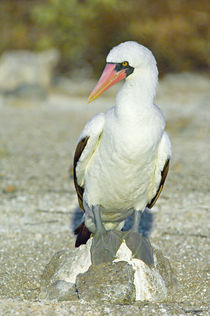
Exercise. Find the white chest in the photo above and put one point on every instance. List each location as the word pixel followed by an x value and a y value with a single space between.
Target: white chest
pixel 119 174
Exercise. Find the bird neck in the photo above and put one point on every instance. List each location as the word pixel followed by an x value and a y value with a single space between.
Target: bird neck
pixel 136 97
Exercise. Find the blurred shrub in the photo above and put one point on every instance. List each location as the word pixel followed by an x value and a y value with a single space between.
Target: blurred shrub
pixel 85 30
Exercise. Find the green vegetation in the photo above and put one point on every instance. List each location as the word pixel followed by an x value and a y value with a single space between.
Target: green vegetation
pixel 84 30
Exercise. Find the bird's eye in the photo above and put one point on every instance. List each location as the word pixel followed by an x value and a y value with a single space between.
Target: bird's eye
pixel 125 63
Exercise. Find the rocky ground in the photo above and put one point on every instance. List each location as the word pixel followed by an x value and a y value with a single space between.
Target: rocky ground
pixel 38 201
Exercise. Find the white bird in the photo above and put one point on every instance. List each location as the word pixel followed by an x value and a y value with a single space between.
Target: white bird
pixel 122 156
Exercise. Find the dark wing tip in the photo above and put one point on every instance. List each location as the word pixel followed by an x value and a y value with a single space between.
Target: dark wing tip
pixel 83 234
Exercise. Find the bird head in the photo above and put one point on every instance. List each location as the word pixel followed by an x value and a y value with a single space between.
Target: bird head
pixel 123 61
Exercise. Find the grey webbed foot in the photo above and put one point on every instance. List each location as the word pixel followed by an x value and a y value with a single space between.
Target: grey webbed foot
pixel 105 243
pixel 104 246
pixel 140 246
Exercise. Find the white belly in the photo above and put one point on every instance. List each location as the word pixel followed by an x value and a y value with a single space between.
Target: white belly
pixel 119 174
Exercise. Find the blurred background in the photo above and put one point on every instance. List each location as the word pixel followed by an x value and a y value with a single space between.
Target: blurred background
pixel 83 31
pixel 51 54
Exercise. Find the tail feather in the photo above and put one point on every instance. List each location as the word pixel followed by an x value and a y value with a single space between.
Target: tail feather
pixel 83 234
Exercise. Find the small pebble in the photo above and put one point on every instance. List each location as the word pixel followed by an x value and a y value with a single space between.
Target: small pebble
pixel 9 189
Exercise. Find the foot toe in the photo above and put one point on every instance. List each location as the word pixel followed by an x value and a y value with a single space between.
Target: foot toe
pixel 105 246
pixel 140 246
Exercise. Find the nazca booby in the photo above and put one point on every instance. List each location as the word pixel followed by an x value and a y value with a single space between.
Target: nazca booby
pixel 122 156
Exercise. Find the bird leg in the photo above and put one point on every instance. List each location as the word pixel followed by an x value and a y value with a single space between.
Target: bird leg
pixel 139 245
pixel 136 221
pixel 105 243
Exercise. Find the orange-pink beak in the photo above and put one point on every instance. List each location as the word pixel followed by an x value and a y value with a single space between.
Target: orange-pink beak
pixel 108 78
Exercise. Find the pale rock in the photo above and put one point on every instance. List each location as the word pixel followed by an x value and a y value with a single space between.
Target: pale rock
pixel 111 282
pixel 122 281
pixel 25 72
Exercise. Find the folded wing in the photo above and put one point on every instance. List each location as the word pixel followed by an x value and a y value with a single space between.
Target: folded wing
pixel 86 146
pixel 161 170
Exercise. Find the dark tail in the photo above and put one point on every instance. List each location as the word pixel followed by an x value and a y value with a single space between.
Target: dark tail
pixel 83 234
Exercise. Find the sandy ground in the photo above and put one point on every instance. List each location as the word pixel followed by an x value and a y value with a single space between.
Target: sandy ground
pixel 37 198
